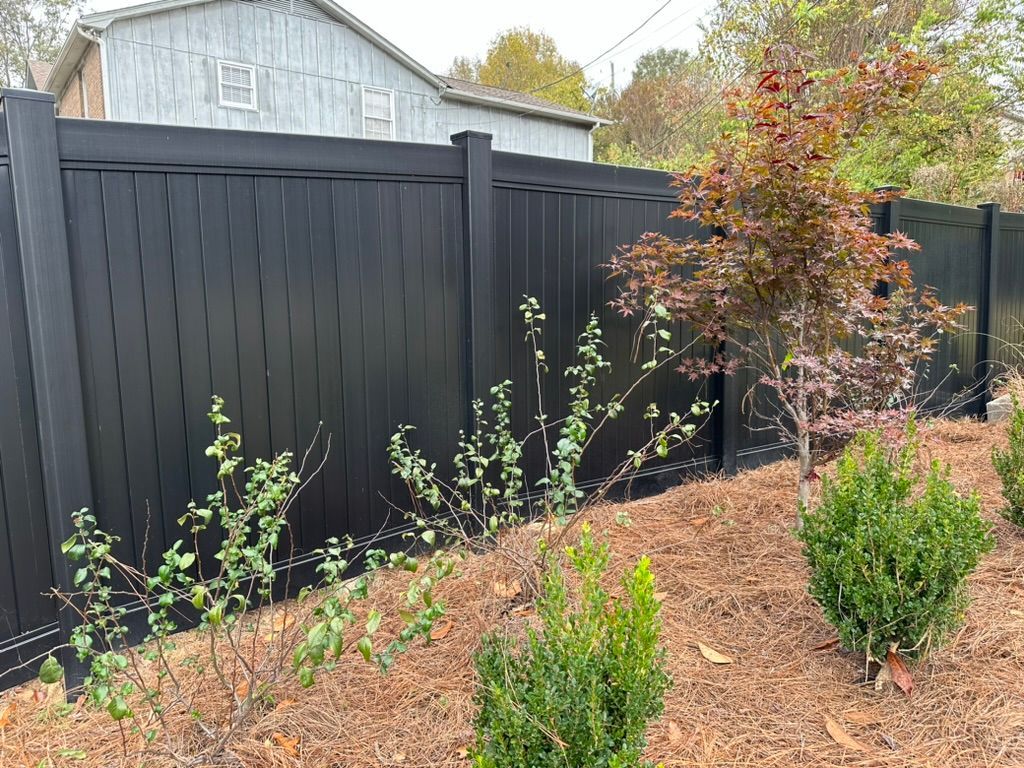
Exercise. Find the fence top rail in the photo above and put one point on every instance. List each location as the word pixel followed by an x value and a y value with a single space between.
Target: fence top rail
pixel 511 169
pixel 1011 221
pixel 912 209
pixel 107 143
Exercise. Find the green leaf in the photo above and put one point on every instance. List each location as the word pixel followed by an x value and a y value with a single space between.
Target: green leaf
pixel 118 708
pixel 373 621
pixel 51 671
pixel 429 537
pixel 365 646
pixel 186 560
pixel 66 546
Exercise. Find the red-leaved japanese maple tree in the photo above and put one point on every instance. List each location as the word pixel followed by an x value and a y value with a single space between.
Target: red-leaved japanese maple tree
pixel 792 280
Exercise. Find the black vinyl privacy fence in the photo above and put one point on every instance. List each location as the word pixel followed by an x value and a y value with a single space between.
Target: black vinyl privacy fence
pixel 310 280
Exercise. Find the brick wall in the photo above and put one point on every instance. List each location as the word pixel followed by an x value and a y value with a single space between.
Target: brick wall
pixel 89 75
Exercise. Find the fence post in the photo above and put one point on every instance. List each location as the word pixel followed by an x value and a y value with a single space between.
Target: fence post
pixel 890 223
pixel 56 379
pixel 985 368
pixel 725 417
pixel 478 246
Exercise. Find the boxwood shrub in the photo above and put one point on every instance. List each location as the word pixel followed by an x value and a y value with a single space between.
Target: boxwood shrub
pixel 579 692
pixel 1009 465
pixel 890 551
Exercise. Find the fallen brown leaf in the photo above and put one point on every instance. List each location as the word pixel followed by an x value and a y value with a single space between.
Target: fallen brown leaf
pixel 660 596
pixel 441 630
pixel 841 737
pixel 900 673
pixel 675 734
pixel 281 622
pixel 523 610
pixel 285 703
pixel 289 745
pixel 712 655
pixel 7 714
pixel 826 645
pixel 242 690
pixel 697 522
pixel 508 589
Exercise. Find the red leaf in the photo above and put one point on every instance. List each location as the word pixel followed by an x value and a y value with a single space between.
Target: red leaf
pixel 900 673
pixel 768 75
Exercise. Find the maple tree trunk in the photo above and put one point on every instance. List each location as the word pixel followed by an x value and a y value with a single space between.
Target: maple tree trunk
pixel 803 452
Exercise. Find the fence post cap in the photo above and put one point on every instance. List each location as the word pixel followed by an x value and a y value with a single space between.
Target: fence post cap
pixel 990 205
pixel 27 94
pixel 457 138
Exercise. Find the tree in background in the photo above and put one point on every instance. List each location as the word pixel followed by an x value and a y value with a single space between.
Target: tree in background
pixel 666 83
pixel 520 59
pixel 789 284
pixel 951 143
pixel 32 29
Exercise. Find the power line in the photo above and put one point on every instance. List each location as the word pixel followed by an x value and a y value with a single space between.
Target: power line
pixel 605 53
pixel 655 31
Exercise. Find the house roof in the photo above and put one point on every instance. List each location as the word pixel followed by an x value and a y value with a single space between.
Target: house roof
pixel 460 90
pixel 37 73
pixel 467 90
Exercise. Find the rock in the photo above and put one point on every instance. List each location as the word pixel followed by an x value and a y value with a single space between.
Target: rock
pixel 999 409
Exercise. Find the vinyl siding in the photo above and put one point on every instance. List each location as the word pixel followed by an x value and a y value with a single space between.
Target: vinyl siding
pixel 309 78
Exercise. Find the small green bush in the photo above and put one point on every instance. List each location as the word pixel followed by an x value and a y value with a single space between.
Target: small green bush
pixel 889 561
pixel 580 692
pixel 1010 466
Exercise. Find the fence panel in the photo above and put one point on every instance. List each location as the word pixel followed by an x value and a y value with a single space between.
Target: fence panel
pixel 557 222
pixel 1008 291
pixel 953 242
pixel 300 298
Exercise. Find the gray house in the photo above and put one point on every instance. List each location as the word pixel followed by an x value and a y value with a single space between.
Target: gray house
pixel 292 66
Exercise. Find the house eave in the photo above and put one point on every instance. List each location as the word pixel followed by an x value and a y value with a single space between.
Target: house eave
pixel 67 60
pixel 525 109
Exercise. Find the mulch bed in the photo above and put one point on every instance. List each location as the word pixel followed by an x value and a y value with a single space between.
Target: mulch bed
pixel 732 579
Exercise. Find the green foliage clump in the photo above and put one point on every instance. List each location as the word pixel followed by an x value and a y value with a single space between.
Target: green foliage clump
pixel 580 692
pixel 233 595
pixel 1009 465
pixel 889 561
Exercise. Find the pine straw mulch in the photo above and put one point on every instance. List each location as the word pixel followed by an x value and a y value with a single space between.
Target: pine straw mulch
pixel 733 579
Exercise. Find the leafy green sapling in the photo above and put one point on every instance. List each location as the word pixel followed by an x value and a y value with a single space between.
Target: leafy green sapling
pixel 486 493
pixel 250 643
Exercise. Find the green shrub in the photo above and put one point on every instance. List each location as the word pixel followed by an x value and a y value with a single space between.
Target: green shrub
pixel 230 675
pixel 889 560
pixel 1010 466
pixel 580 692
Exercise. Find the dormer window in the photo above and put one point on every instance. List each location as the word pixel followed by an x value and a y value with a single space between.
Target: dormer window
pixel 237 85
pixel 378 113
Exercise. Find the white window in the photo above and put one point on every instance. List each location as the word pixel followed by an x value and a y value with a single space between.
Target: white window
pixel 237 84
pixel 378 113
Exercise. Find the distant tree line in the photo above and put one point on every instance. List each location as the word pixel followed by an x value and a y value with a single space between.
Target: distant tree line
pixel 961 142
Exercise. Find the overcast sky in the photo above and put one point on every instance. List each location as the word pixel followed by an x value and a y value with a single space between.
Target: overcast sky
pixel 434 32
